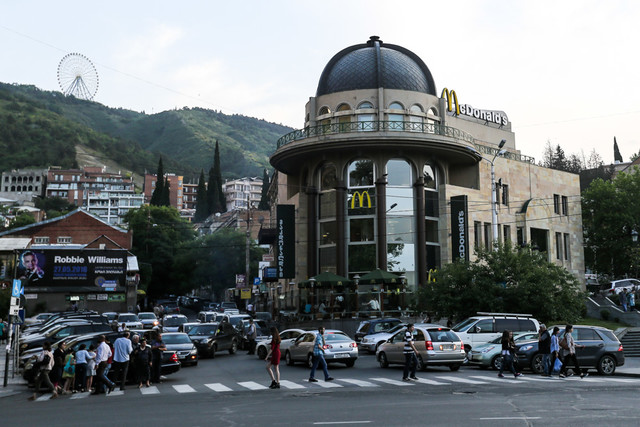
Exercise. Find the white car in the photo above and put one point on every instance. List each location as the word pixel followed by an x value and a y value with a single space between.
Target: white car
pixel 130 320
pixel 339 348
pixel 371 342
pixel 148 319
pixel 172 322
pixel 616 286
pixel 287 337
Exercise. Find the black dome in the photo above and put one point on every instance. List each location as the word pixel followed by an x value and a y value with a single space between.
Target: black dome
pixel 372 65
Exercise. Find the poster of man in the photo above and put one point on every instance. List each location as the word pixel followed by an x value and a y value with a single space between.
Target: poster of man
pixel 30 269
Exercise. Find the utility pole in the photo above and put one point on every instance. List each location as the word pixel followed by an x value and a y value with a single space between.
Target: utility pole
pixel 247 258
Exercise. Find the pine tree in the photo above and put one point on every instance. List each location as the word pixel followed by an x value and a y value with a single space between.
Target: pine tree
pixel 617 157
pixel 212 194
pixel 166 194
pixel 264 197
pixel 156 197
pixel 202 207
pixel 222 200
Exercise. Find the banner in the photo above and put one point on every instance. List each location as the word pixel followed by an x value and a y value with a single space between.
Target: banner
pixel 286 262
pixel 104 269
pixel 459 229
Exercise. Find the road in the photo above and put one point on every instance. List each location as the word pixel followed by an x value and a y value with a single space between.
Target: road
pixel 232 390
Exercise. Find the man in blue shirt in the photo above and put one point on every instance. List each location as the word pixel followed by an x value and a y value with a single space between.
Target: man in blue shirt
pixel 122 348
pixel 318 357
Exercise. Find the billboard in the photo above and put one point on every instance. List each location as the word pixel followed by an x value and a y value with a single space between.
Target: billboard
pixel 459 229
pixel 103 269
pixel 286 239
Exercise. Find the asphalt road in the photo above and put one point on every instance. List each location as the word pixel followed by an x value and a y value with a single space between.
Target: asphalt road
pixel 232 391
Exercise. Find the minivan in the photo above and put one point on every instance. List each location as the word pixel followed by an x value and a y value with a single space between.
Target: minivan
pixel 486 327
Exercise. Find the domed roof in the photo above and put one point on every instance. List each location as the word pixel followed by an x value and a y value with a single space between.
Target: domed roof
pixel 372 65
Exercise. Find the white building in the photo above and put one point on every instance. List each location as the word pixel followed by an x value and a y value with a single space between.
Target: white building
pixel 237 192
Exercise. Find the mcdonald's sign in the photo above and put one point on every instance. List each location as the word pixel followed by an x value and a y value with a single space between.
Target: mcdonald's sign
pixel 497 117
pixel 361 198
pixel 451 96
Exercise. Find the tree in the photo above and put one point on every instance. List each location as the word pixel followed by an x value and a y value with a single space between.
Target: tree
pixel 610 213
pixel 166 194
pixel 222 201
pixel 213 196
pixel 202 206
pixel 264 197
pixel 156 197
pixel 617 157
pixel 21 219
pixel 634 156
pixel 510 279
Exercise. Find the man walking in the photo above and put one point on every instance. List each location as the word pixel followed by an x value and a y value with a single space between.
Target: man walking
pixel 103 353
pixel 568 346
pixel 544 346
pixel 318 357
pixel 252 334
pixel 122 349
pixel 157 348
pixel 410 354
pixel 45 361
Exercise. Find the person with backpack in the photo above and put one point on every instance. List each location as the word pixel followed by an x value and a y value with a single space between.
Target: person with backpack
pixel 568 346
pixel 45 365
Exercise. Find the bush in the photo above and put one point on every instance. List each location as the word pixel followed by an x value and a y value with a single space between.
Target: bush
pixel 604 314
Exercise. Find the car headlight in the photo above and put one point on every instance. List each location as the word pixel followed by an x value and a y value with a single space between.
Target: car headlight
pixel 488 349
pixel 194 351
pixel 24 345
pixel 364 340
pixel 525 347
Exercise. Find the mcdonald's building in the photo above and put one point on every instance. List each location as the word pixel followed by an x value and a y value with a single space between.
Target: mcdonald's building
pixel 392 172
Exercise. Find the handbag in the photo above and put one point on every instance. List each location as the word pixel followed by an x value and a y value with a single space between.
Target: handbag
pixel 557 365
pixel 69 368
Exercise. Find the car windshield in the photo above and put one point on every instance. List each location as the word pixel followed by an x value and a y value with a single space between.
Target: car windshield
pixel 176 339
pixel 336 337
pixel 174 321
pixel 127 318
pixel 464 325
pixel 442 336
pixel 396 328
pixel 203 330
pixel 146 316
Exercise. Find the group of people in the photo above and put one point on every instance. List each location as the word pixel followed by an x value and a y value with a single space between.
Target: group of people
pixel 65 371
pixel 628 298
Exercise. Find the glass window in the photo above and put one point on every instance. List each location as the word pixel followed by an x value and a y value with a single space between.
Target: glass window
pixel 400 229
pixel 399 173
pixel 361 230
pixel 323 111
pixel 488 239
pixel 399 201
pixel 360 173
pixel 433 257
pixel 483 326
pixel 328 259
pixel 565 206
pixel 585 334
pixel 505 194
pixel 507 233
pixel 366 120
pixel 566 246
pixel 328 177
pixel 395 120
pixel 431 230
pixel 362 258
pixel 431 204
pixel 327 204
pixel 559 246
pixel 556 203
pixel 328 233
pixel 429 174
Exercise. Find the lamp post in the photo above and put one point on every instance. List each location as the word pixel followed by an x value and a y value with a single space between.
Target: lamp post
pixel 494 195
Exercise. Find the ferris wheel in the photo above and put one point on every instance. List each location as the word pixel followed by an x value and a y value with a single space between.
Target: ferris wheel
pixel 78 76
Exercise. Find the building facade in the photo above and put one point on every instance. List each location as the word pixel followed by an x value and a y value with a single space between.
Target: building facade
pixel 239 192
pixel 23 185
pixel 389 173
pixel 176 189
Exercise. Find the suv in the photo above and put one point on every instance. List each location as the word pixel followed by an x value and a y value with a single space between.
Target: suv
pixel 486 327
pixel 172 322
pixel 207 316
pixel 374 326
pixel 130 320
pixel 616 286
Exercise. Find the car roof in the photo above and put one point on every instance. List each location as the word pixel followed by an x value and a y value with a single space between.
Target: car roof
pixel 174 315
pixel 173 333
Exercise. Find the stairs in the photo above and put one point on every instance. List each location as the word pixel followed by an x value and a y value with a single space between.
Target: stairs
pixel 631 343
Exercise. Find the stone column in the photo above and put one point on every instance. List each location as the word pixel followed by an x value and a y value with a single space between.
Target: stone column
pixel 341 227
pixel 381 213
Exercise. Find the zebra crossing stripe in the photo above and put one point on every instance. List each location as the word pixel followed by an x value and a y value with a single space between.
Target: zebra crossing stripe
pixel 252 385
pixel 359 383
pixel 461 380
pixel 543 380
pixel 44 397
pixel 496 379
pixel 150 390
pixel 392 382
pixel 184 388
pixel 116 393
pixel 327 384
pixel 80 395
pixel 430 382
pixel 291 385
pixel 616 380
pixel 218 387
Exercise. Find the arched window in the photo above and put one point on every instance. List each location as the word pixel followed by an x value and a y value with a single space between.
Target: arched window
pixel 366 119
pixel 396 120
pixel 432 116
pixel 416 118
pixel 31 188
pixel 323 111
pixel 324 123
pixel 344 120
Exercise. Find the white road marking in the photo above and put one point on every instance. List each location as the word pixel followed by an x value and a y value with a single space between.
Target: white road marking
pixel 326 384
pixel 184 388
pixel 392 382
pixel 116 393
pixel 430 382
pixel 509 418
pixel 359 383
pixel 252 385
pixel 291 385
pixel 80 395
pixel 150 390
pixel 44 397
pixel 496 379
pixel 461 380
pixel 544 379
pixel 218 387
pixel 325 423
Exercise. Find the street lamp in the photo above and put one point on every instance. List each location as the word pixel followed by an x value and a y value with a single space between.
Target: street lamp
pixel 634 236
pixel 494 195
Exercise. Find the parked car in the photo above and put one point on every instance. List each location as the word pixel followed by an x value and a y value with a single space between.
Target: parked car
pixel 210 338
pixel 436 345
pixel 148 319
pixel 62 331
pixel 110 315
pixel 171 322
pixel 60 318
pixel 130 320
pixel 486 327
pixel 183 346
pixel 489 354
pixel 287 337
pixel 37 319
pixel 616 286
pixel 339 348
pixel 371 342
pixel 373 326
pixel 603 351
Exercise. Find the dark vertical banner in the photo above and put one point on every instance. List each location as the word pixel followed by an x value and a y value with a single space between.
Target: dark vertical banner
pixel 286 261
pixel 459 228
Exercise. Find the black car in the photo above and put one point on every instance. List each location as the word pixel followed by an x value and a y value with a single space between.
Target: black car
pixel 212 337
pixel 183 346
pixel 62 331
pixel 602 350
pixel 374 326
pixel 65 318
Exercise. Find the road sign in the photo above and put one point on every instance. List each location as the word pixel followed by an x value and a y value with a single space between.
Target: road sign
pixel 256 280
pixel 16 290
pixel 13 310
pixel 14 301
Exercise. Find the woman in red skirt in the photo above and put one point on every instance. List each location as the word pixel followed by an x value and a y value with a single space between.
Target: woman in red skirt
pixel 273 358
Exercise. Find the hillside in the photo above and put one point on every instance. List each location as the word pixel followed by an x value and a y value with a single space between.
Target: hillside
pixel 185 138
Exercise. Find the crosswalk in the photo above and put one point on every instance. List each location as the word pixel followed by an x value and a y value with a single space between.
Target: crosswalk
pixel 371 383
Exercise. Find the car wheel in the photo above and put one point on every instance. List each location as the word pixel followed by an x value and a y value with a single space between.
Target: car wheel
pixel 536 364
pixel 234 347
pixel 454 367
pixel 377 347
pixel 310 360
pixel 421 366
pixel 350 363
pixel 607 365
pixel 496 362
pixel 382 359
pixel 467 349
pixel 262 353
pixel 212 351
pixel 289 359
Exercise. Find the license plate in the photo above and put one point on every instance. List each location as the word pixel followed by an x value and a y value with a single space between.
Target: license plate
pixel 340 355
pixel 446 347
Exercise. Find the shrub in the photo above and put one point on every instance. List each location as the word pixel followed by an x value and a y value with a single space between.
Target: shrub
pixel 605 314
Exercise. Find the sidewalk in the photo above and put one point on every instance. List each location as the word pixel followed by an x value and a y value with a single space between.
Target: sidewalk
pixel 631 367
pixel 16 384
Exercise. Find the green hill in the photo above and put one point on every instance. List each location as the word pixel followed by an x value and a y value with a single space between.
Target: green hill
pixel 41 128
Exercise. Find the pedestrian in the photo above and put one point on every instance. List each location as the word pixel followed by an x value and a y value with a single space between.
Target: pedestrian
pixel 91 366
pixel 81 367
pixel 2 329
pixel 318 357
pixel 122 327
pixel 45 362
pixel 273 358
pixel 142 361
pixel 69 372
pixel 135 345
pixel 122 348
pixel 554 348
pixel 251 337
pixel 631 300
pixel 508 350
pixel 157 347
pixel 58 364
pixel 410 354
pixel 623 299
pixel 568 351
pixel 544 346
pixel 103 353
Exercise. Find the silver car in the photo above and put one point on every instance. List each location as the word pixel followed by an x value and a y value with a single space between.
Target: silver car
pixel 436 345
pixel 339 348
pixel 148 319
pixel 371 342
pixel 287 337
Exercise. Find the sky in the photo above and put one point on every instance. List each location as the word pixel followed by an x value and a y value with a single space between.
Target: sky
pixel 565 72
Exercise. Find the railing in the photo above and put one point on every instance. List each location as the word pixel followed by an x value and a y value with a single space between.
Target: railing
pixel 492 151
pixel 374 126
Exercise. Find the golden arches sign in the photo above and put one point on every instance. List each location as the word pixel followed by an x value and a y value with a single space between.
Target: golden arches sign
pixel 361 197
pixel 451 97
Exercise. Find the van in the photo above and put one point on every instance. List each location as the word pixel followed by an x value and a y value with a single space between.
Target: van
pixel 486 327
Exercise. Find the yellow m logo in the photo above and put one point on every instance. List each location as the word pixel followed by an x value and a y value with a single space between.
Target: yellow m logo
pixel 451 94
pixel 360 198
